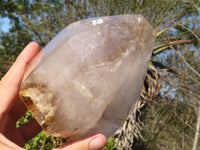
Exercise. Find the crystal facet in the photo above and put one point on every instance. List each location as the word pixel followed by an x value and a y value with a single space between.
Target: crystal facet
pixel 89 76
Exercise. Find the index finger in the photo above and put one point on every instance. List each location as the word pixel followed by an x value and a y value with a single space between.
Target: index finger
pixel 10 83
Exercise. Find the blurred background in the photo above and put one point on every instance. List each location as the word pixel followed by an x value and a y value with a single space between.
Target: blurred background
pixel 167 115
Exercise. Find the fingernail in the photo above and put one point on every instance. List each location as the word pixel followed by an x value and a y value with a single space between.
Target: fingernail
pixel 97 144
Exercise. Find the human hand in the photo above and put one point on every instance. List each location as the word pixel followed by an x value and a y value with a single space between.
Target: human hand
pixel 12 108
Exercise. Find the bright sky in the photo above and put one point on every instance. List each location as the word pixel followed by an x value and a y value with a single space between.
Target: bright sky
pixel 4 24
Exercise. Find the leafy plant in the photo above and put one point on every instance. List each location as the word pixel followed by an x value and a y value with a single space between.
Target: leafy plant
pixel 111 144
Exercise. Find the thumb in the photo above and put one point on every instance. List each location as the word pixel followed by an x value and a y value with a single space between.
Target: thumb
pixel 92 142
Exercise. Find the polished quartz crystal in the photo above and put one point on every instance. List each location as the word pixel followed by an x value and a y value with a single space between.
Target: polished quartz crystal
pixel 89 76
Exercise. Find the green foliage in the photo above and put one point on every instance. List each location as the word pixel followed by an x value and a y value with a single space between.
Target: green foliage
pixel 111 144
pixel 44 142
pixel 168 126
pixel 24 119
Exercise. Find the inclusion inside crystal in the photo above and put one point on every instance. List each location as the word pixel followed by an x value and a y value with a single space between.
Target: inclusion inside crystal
pixel 89 76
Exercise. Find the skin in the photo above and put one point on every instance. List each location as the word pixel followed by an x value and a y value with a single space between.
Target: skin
pixel 12 108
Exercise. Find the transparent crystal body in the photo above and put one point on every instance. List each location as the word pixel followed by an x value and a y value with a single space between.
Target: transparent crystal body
pixel 89 76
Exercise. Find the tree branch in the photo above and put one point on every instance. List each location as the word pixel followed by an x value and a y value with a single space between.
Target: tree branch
pixel 197 132
pixel 186 61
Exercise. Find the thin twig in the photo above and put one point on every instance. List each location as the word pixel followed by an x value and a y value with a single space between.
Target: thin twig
pixel 194 80
pixel 185 61
pixel 191 92
pixel 6 62
pixel 197 132
pixel 191 3
pixel 183 121
pixel 195 35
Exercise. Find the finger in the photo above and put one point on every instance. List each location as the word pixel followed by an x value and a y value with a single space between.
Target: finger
pixel 93 142
pixel 6 144
pixel 30 129
pixel 18 110
pixel 9 85
pixel 15 74
pixel 33 63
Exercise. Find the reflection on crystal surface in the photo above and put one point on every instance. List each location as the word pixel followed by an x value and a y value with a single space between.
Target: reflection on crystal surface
pixel 90 75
